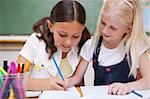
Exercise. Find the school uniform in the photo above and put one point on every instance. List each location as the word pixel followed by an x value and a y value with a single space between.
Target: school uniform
pixel 110 65
pixel 34 51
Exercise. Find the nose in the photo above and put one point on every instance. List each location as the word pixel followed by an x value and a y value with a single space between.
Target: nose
pixel 105 30
pixel 68 42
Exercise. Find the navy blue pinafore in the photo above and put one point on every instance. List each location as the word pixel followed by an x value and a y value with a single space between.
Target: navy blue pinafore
pixel 105 75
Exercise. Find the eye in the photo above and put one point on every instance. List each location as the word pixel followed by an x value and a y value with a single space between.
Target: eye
pixel 62 34
pixel 113 28
pixel 102 22
pixel 76 36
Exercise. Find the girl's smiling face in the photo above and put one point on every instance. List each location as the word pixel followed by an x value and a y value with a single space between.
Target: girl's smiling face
pixel 112 29
pixel 67 34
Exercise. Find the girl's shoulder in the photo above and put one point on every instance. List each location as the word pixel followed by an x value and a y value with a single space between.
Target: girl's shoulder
pixel 89 41
pixel 34 38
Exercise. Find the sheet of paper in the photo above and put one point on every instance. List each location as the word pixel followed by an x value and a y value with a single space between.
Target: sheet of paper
pixel 100 92
pixel 71 93
pixel 32 93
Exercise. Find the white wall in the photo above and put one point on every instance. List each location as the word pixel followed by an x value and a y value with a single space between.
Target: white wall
pixel 9 55
pixel 10 46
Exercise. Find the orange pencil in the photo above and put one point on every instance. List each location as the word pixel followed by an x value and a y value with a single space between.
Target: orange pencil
pixel 27 66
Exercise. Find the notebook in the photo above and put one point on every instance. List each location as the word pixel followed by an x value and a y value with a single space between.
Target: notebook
pixel 100 92
pixel 71 93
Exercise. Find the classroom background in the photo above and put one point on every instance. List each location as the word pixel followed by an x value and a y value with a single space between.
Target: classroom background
pixel 18 16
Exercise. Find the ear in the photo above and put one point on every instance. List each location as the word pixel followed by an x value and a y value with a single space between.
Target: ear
pixel 129 29
pixel 49 24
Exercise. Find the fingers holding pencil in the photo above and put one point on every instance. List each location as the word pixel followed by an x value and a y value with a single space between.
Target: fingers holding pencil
pixel 57 83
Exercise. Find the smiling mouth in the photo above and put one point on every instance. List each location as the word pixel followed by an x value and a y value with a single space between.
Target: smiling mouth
pixel 106 35
pixel 65 47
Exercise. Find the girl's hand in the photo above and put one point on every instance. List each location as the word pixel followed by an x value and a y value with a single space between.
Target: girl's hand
pixel 119 89
pixel 66 83
pixel 54 83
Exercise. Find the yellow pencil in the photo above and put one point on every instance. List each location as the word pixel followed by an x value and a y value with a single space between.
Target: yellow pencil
pixel 11 95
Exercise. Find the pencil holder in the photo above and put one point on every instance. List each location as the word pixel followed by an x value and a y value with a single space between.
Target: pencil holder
pixel 12 87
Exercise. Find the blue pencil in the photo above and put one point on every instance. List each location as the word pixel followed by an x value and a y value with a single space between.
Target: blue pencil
pixel 137 94
pixel 57 68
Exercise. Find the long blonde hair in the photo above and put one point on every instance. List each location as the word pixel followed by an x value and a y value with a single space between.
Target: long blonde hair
pixel 130 13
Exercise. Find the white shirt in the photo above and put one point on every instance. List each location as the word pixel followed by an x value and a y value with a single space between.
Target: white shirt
pixel 34 51
pixel 106 56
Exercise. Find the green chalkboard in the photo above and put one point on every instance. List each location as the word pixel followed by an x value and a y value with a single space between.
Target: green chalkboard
pixel 18 16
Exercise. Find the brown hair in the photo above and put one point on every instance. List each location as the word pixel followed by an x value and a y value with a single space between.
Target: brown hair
pixel 63 11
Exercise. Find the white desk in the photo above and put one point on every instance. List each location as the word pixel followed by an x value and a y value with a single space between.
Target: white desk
pixel 91 92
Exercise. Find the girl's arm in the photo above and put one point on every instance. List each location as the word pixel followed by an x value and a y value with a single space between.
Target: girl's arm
pixel 142 83
pixel 51 83
pixel 78 75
